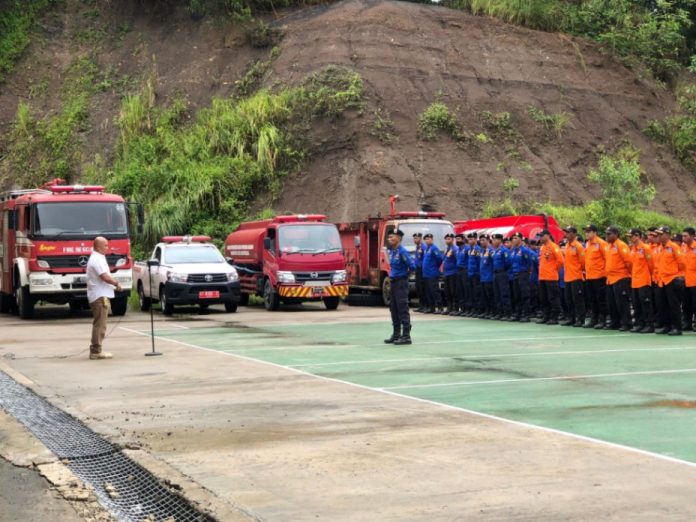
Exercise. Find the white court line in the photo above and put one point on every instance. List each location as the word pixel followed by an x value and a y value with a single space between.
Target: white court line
pixel 428 343
pixel 485 355
pixel 179 326
pixel 441 405
pixel 536 379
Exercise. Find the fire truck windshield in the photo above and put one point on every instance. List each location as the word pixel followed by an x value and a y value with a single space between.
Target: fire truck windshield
pixel 80 220
pixel 437 229
pixel 308 239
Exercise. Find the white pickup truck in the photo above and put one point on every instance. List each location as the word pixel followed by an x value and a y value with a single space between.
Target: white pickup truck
pixel 186 270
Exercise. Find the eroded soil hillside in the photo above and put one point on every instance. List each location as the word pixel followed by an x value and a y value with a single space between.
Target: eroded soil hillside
pixel 409 56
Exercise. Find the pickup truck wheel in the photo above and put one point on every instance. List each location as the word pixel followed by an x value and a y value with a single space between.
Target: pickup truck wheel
pixel 119 305
pixel 386 291
pixel 331 303
pixel 144 302
pixel 271 301
pixel 167 307
pixel 230 308
pixel 25 302
pixel 76 306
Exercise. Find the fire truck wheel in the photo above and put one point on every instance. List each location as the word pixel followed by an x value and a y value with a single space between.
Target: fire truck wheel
pixel 331 303
pixel 119 305
pixel 25 302
pixel 5 305
pixel 167 307
pixel 230 307
pixel 144 302
pixel 243 299
pixel 386 291
pixel 271 300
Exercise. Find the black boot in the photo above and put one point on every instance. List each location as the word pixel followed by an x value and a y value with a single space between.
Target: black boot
pixel 396 334
pixel 405 337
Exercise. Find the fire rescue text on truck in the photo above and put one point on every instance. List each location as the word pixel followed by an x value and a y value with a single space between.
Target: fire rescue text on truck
pixel 47 236
pixel 365 244
pixel 290 259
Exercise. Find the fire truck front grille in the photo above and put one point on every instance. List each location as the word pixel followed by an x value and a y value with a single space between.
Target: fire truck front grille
pixel 301 277
pixel 76 261
pixel 207 278
pixel 141 496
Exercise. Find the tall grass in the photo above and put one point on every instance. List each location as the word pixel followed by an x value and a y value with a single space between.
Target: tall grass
pixel 200 175
pixel 547 15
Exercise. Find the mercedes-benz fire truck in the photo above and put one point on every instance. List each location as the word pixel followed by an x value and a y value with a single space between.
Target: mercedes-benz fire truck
pixel 47 237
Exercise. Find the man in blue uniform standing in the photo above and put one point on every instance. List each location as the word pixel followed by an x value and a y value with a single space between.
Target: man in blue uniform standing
pixel 418 260
pixel 472 276
pixel 449 267
pixel 462 260
pixel 432 259
pixel 400 264
pixel 486 278
pixel 501 283
pixel 522 258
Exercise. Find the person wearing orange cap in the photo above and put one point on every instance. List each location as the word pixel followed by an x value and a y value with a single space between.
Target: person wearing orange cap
pixel 550 263
pixel 595 278
pixel 574 266
pixel 642 268
pixel 618 266
pixel 670 278
pixel 689 250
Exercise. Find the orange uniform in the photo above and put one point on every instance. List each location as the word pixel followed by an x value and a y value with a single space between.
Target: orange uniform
pixel 595 261
pixel 618 261
pixel 690 264
pixel 574 261
pixel 550 261
pixel 642 266
pixel 670 263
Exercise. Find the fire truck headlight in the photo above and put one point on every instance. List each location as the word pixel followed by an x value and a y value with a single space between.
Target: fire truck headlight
pixel 42 263
pixel 121 261
pixel 339 276
pixel 41 281
pixel 176 277
pixel 286 277
pixel 232 276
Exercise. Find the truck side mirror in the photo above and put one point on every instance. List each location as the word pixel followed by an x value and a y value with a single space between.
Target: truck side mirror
pixel 267 243
pixel 356 239
pixel 153 262
pixel 11 219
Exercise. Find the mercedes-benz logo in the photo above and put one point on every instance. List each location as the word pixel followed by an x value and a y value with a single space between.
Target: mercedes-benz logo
pixel 314 275
pixel 82 260
pixel 208 278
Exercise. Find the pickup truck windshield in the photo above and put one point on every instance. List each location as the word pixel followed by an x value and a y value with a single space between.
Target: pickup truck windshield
pixel 311 239
pixel 438 230
pixel 178 255
pixel 68 220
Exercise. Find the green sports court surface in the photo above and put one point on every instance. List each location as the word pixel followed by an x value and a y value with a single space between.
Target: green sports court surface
pixel 633 390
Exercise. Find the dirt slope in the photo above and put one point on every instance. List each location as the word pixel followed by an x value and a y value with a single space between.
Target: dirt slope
pixel 409 56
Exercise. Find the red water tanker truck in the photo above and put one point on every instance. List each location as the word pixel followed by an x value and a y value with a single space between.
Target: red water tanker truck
pixel 288 259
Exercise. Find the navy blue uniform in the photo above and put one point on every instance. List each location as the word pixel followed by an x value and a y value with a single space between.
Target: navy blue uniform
pixel 400 264
pixel 501 283
pixel 420 287
pixel 473 281
pixel 432 258
pixel 449 267
pixel 534 284
pixel 462 266
pixel 487 278
pixel 522 260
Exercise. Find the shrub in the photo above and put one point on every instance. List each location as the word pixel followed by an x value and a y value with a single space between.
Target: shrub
pixel 435 118
pixel 553 124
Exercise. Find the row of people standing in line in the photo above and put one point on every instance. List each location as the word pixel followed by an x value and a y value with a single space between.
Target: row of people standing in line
pixel 649 286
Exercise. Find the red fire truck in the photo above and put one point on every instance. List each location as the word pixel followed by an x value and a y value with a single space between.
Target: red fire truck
pixel 47 236
pixel 365 244
pixel 288 259
pixel 529 226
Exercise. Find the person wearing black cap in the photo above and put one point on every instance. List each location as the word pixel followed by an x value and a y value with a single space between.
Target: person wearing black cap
pixel 501 283
pixel 521 258
pixel 574 266
pixel 486 278
pixel 400 264
pixel 534 305
pixel 642 268
pixel 689 249
pixel 473 271
pixel 550 264
pixel 449 267
pixel 418 260
pixel 462 262
pixel 618 266
pixel 595 278
pixel 432 259
pixel 670 277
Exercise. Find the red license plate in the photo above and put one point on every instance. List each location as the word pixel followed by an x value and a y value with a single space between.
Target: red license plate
pixel 209 294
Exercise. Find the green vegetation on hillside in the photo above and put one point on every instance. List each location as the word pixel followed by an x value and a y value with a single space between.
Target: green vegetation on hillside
pixel 679 129
pixel 200 177
pixel 16 20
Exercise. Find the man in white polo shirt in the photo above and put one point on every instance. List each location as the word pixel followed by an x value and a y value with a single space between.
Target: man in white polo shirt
pixel 100 289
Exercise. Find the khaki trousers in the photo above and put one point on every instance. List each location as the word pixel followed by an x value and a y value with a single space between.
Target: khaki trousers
pixel 100 311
